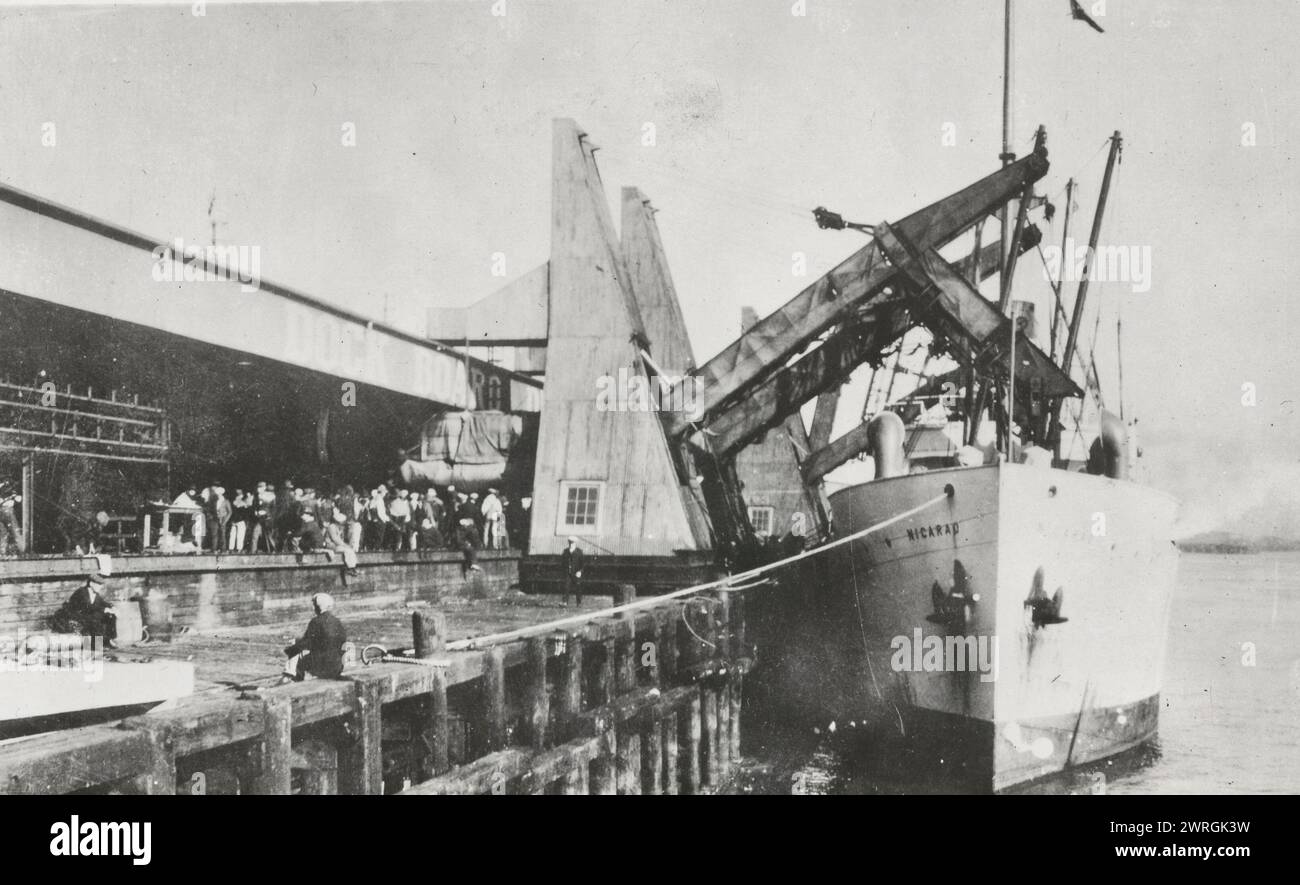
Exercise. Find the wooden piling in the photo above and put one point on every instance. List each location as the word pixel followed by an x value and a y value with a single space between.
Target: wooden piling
pixel 724 731
pixel 652 759
pixel 605 672
pixel 668 728
pixel 433 724
pixel 688 756
pixel 539 701
pixel 737 684
pixel 628 760
pixel 576 782
pixel 625 658
pixel 569 691
pixel 667 620
pixel 709 736
pixel 738 647
pixel 430 629
pixel 722 618
pixel 273 762
pixel 604 780
pixel 361 767
pixel 624 594
pixel 494 698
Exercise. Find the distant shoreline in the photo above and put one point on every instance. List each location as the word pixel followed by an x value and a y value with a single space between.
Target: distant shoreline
pixel 1236 548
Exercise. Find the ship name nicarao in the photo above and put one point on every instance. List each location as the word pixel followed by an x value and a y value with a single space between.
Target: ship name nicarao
pixel 932 531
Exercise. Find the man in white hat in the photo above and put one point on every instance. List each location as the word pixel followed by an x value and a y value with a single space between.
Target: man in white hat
pixel 571 560
pixel 492 515
pixel 319 653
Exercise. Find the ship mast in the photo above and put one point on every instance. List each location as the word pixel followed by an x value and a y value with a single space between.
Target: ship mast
pixel 1072 339
pixel 1057 310
pixel 1007 156
pixel 975 402
pixel 1006 257
pixel 1080 299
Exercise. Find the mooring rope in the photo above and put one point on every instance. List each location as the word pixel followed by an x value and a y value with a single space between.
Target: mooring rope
pixel 387 657
pixel 727 583
pixel 691 629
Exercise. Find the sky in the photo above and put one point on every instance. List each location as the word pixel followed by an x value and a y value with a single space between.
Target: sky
pixel 872 108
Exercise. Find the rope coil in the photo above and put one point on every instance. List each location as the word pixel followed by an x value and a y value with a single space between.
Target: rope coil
pixel 386 657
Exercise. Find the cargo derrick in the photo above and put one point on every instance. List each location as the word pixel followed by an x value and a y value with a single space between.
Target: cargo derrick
pixel 810 345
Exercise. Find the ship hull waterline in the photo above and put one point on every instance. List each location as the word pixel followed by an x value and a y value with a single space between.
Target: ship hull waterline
pixel 941 636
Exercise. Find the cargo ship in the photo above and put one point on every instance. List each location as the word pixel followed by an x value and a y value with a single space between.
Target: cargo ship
pixel 1015 631
pixel 1014 626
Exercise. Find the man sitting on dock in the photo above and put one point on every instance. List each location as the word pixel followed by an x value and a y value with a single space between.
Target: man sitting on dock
pixel 87 612
pixel 336 541
pixel 319 654
pixel 309 537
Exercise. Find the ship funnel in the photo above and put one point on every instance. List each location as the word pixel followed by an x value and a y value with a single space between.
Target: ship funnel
pixel 885 434
pixel 1108 454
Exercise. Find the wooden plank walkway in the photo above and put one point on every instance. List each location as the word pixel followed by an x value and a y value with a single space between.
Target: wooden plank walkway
pixel 255 654
pixel 644 701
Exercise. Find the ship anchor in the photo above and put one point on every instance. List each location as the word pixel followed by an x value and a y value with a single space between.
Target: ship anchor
pixel 1044 610
pixel 953 608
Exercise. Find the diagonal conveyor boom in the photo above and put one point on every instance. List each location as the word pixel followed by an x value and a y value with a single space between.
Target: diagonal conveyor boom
pixel 846 348
pixel 783 393
pixel 779 336
pixel 950 305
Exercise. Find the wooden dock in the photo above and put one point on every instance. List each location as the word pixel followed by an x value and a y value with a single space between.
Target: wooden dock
pixel 645 701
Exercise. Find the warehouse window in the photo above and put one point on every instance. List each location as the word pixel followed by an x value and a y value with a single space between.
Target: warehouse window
pixel 761 519
pixel 580 507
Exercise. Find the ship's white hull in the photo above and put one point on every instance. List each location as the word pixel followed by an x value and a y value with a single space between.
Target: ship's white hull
pixel 974 682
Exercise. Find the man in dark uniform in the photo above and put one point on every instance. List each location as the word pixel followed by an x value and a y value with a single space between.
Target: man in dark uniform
pixel 571 561
pixel 320 651
pixel 262 519
pixel 87 612
pixel 450 519
pixel 218 513
pixel 285 516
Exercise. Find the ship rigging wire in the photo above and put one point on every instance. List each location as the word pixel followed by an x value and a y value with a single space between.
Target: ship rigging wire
pixel 731 582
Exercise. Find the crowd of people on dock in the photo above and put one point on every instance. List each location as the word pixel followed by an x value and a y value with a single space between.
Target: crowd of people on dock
pixel 299 520
pixel 265 518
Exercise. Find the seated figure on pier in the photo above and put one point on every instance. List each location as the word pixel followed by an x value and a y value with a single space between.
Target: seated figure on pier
pixel 336 541
pixel 87 612
pixel 319 653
